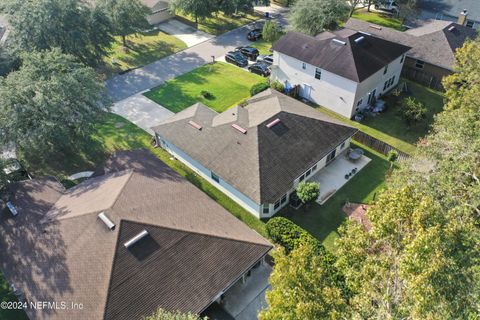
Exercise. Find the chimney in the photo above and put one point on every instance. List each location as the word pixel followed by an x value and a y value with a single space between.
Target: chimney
pixel 462 18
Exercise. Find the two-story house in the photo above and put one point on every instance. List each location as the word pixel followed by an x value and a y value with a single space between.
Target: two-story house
pixel 256 154
pixel 342 71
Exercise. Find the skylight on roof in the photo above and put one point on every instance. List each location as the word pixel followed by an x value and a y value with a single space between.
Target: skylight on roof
pixel 12 208
pixel 359 39
pixel 195 125
pixel 273 123
pixel 365 33
pixel 340 42
pixel 237 127
pixel 451 28
pixel 136 239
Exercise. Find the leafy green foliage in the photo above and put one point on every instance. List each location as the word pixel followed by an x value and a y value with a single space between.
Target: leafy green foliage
pixel 199 9
pixel 229 7
pixel 287 234
pixel 50 102
pixel 413 110
pixel 161 314
pixel 392 155
pixel 71 25
pixel 277 85
pixel 3 176
pixel 304 286
pixel 314 16
pixel 271 31
pixel 126 16
pixel 259 87
pixel 308 192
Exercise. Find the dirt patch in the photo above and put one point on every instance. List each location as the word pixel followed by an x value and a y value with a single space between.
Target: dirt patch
pixel 356 212
pixel 118 125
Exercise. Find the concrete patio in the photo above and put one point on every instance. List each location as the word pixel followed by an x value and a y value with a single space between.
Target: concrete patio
pixel 332 177
pixel 245 300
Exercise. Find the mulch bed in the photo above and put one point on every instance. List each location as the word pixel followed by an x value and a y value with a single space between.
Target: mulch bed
pixel 356 212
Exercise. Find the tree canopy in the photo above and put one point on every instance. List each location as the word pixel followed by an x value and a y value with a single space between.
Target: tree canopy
pixel 161 314
pixel 70 25
pixel 314 16
pixel 52 100
pixel 199 9
pixel 308 192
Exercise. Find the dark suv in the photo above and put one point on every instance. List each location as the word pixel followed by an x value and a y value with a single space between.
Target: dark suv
pixel 236 58
pixel 254 35
pixel 260 68
pixel 249 52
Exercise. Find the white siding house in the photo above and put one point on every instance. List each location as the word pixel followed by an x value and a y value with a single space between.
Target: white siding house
pixel 327 81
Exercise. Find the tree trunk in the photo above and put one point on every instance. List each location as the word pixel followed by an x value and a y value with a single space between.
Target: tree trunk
pixel 124 40
pixel 369 4
pixel 352 10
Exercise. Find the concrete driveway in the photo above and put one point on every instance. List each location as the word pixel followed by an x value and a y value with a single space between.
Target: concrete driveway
pixel 122 86
pixel 142 111
pixel 184 32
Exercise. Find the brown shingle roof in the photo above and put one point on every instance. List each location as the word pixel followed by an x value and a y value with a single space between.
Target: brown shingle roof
pixel 71 259
pixel 433 43
pixel 354 60
pixel 263 163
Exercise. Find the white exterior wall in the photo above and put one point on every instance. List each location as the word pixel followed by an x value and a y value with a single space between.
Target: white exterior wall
pixel 334 92
pixel 376 82
pixel 223 186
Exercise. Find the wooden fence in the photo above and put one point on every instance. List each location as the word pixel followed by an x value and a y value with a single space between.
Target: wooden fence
pixel 377 145
pixel 423 78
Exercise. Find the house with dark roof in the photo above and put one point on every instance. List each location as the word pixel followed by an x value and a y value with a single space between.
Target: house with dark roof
pixel 134 238
pixel 256 154
pixel 344 71
pixel 464 12
pixel 433 47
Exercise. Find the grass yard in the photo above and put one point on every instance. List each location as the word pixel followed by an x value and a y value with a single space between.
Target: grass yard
pixel 220 23
pixel 262 46
pixel 392 123
pixel 322 221
pixel 143 49
pixel 228 84
pixel 379 18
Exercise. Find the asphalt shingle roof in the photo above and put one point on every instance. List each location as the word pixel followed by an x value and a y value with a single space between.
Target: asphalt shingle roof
pixel 354 60
pixel 433 43
pixel 263 162
pixel 199 248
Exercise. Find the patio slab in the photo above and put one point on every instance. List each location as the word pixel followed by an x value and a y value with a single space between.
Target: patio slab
pixel 332 177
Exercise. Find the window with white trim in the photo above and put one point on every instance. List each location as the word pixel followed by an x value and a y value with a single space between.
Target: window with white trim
pixel 419 64
pixel 318 73
pixel 266 208
pixel 304 65
pixel 385 69
pixel 215 177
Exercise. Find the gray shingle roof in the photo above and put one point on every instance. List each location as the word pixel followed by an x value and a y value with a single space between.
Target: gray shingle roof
pixel 74 257
pixel 433 43
pixel 453 7
pixel 356 60
pixel 263 163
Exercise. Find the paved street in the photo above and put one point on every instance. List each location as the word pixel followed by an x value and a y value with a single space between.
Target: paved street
pixel 152 75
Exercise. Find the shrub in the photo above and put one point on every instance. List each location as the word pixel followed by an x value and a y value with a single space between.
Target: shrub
pixel 392 155
pixel 207 94
pixel 308 192
pixel 259 87
pixel 277 85
pixel 287 234
pixel 413 110
pixel 271 31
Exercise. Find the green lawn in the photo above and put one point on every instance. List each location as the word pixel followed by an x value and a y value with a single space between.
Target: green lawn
pixel 228 84
pixel 220 23
pixel 379 18
pixel 322 221
pixel 263 46
pixel 142 49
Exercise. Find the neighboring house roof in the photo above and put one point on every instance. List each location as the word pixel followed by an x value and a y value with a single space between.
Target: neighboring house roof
pixel 435 42
pixel 194 251
pixel 354 60
pixel 156 5
pixel 262 163
pixel 453 7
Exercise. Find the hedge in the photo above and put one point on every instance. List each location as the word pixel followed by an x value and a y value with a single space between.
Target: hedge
pixel 287 234
pixel 259 87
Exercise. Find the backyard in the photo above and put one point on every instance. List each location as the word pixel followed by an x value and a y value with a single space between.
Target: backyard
pixel 227 85
pixel 379 18
pixel 220 23
pixel 322 221
pixel 142 49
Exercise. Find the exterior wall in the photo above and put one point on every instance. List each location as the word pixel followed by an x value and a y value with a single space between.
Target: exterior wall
pixel 205 173
pixel 376 83
pixel 331 91
pixel 431 75
pixel 157 17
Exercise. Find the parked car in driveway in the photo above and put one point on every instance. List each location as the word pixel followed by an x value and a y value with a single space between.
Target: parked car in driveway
pixel 260 68
pixel 14 170
pixel 250 53
pixel 268 59
pixel 254 34
pixel 236 58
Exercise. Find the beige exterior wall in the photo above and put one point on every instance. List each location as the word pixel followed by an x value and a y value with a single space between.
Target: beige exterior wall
pixel 158 17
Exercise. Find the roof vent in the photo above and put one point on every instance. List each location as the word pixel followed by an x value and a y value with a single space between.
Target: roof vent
pixel 365 33
pixel 135 239
pixel 236 126
pixel 110 225
pixel 359 39
pixel 339 42
pixel 12 208
pixel 195 125
pixel 451 28
pixel 273 123
pixel 375 27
